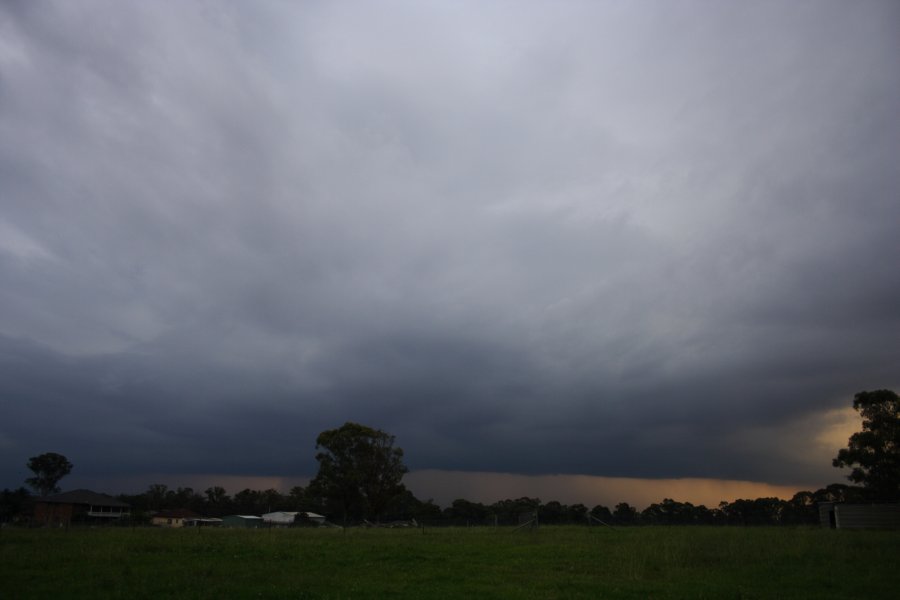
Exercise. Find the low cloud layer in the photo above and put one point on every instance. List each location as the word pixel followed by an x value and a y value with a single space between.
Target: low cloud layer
pixel 635 240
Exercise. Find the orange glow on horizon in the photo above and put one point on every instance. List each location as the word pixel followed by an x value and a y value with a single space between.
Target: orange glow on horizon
pixel 586 489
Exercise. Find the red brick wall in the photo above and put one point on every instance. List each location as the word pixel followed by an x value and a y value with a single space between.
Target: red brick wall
pixel 52 513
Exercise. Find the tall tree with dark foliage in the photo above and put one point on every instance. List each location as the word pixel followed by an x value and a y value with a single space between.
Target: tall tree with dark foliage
pixel 48 469
pixel 874 452
pixel 360 471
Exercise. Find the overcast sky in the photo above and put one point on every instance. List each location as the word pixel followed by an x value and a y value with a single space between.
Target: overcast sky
pixel 649 240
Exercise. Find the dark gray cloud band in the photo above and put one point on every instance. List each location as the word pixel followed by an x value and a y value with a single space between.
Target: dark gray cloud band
pixel 635 240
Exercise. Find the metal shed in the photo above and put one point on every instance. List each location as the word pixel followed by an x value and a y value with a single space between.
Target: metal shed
pixel 244 521
pixel 283 518
pixel 859 516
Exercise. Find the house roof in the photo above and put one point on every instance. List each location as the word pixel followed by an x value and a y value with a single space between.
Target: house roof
pixel 83 497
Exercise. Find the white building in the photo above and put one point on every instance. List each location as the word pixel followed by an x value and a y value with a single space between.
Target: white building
pixel 287 518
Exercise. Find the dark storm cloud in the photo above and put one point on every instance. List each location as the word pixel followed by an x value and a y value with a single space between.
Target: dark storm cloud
pixel 640 240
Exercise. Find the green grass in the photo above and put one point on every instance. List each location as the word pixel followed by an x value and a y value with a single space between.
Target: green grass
pixel 553 562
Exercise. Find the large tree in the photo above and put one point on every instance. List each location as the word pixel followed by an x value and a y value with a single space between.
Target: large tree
pixel 360 471
pixel 48 469
pixel 874 453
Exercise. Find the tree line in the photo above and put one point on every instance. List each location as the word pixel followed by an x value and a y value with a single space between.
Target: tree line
pixel 216 502
pixel 361 470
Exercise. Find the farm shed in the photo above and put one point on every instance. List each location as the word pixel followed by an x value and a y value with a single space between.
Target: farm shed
pixel 283 518
pixel 245 521
pixel 859 516
pixel 173 518
pixel 203 522
pixel 79 506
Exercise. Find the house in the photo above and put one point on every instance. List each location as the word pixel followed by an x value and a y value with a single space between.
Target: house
pixel 286 518
pixel 173 518
pixel 79 506
pixel 245 521
pixel 859 516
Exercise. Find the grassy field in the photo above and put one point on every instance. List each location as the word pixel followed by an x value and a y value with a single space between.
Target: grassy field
pixel 553 562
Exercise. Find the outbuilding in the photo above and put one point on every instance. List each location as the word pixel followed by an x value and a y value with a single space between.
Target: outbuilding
pixel 203 522
pixel 244 521
pixel 175 517
pixel 282 518
pixel 859 516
